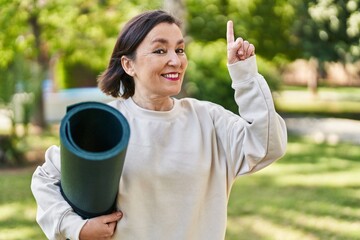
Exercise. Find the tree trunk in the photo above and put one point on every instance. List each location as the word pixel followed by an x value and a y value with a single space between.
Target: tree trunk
pixel 43 60
pixel 178 9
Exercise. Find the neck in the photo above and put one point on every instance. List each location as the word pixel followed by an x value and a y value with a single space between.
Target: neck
pixel 154 104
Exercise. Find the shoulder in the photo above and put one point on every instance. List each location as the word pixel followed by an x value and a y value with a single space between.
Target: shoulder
pixel 188 101
pixel 199 105
pixel 117 103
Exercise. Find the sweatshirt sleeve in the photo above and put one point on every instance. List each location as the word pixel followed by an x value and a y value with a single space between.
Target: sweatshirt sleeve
pixel 258 137
pixel 54 215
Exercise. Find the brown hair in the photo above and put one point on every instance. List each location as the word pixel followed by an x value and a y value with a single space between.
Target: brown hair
pixel 127 42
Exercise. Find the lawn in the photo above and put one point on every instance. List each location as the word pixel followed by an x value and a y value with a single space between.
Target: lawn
pixel 17 206
pixel 341 101
pixel 312 193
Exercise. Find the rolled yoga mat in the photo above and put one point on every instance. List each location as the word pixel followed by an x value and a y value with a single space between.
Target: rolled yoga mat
pixel 93 142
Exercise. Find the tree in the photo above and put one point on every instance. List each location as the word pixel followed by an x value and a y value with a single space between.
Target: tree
pixel 73 32
pixel 37 35
pixel 178 9
pixel 329 29
pixel 267 24
pixel 207 73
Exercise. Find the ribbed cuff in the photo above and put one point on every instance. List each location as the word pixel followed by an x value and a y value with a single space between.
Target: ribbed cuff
pixel 243 70
pixel 71 225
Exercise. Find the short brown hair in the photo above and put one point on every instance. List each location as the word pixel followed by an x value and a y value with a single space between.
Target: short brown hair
pixel 127 42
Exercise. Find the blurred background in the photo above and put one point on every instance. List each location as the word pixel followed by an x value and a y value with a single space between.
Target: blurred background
pixel 51 53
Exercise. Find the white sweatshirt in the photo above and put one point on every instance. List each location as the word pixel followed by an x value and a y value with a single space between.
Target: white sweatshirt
pixel 180 165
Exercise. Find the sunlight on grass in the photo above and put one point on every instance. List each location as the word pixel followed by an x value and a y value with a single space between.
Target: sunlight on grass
pixel 334 209
pixel 260 228
pixel 19 233
pixel 328 100
pixel 327 224
pixel 317 106
pixel 334 179
pixel 8 211
pixel 17 207
pixel 18 222
pixel 313 192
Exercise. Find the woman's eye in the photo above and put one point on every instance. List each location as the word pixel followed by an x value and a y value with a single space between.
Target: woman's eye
pixel 160 51
pixel 180 50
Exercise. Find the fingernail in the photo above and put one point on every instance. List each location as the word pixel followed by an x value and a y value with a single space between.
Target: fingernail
pixel 119 214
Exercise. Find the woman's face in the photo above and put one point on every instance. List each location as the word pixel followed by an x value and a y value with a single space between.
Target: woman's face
pixel 160 62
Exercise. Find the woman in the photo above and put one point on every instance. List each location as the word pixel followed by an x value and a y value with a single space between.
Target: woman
pixel 183 154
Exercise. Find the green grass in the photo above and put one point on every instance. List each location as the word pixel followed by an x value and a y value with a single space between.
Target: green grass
pixel 17 206
pixel 328 101
pixel 312 193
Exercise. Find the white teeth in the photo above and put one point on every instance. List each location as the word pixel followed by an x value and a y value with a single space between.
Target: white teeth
pixel 172 75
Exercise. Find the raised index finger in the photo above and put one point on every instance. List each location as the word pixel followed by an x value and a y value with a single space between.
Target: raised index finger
pixel 230 32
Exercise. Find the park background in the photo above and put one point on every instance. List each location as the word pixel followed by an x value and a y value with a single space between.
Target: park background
pixel 309 51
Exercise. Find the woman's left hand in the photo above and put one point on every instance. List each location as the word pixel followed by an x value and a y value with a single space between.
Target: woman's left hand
pixel 239 49
pixel 102 227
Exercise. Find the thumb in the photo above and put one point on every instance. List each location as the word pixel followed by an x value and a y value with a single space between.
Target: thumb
pixel 113 217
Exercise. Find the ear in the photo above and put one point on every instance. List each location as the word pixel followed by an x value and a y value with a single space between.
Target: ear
pixel 127 65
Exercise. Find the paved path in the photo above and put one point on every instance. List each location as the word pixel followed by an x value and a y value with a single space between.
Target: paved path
pixel 330 130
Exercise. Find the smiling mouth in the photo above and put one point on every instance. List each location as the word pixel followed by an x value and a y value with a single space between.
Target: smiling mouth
pixel 172 76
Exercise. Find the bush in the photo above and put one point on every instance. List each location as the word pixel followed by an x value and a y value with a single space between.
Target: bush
pixel 75 74
pixel 10 153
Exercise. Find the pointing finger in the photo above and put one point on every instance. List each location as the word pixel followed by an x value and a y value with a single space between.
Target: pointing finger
pixel 230 32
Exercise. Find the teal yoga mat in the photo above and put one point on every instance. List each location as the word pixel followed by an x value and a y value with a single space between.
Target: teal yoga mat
pixel 93 142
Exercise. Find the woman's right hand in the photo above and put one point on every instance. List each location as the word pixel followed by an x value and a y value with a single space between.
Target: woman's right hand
pixel 99 228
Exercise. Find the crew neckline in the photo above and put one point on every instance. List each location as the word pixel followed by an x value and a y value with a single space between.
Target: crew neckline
pixel 136 109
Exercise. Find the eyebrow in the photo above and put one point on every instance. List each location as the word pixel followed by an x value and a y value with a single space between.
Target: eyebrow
pixel 164 41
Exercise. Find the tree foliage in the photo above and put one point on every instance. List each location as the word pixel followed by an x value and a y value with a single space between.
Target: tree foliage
pixel 40 38
pixel 282 29
pixel 329 29
pixel 207 75
pixel 65 38
pixel 267 24
pixel 70 41
pixel 75 31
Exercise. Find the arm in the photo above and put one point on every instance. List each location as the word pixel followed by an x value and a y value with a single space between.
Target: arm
pixel 259 136
pixel 55 216
pixel 261 132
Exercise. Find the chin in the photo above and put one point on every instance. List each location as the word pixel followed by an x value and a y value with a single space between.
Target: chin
pixel 174 90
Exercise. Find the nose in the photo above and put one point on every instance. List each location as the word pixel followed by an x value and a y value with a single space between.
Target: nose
pixel 174 59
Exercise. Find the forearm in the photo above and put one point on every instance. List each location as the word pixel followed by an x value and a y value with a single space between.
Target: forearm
pixel 54 214
pixel 265 134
